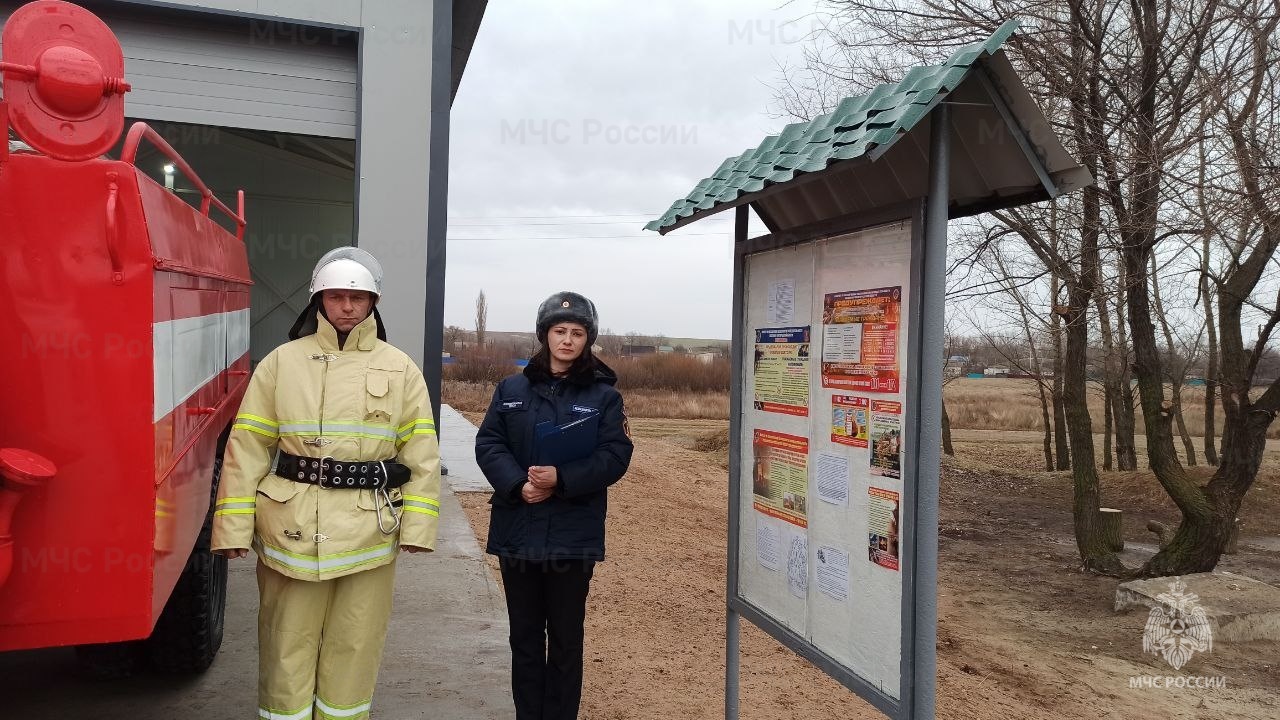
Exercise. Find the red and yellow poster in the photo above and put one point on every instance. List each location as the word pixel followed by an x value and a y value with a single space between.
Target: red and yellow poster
pixel 860 340
pixel 849 420
pixel 780 476
pixel 882 528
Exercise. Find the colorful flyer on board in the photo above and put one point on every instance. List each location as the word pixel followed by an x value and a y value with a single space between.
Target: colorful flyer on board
pixel 782 370
pixel 849 420
pixel 780 477
pixel 882 527
pixel 886 438
pixel 860 339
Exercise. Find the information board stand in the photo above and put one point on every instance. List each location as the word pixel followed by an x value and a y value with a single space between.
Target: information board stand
pixel 827 551
pixel 836 394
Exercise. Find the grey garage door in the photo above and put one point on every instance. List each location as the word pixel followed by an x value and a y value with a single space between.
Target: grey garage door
pixel 224 71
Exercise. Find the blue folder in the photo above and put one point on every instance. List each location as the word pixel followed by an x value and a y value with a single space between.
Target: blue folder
pixel 558 444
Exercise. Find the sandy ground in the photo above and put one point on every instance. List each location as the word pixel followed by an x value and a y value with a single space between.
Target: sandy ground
pixel 1022 633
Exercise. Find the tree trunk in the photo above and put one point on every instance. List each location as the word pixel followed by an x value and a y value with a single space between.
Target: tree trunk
pixel 1198 542
pixel 1106 427
pixel 1061 444
pixel 1035 370
pixel 946 431
pixel 1111 522
pixel 1233 539
pixel 1176 374
pixel 1110 382
pixel 1110 379
pixel 1125 419
pixel 1211 369
pixel 1048 427
pixel 1095 555
pixel 1196 545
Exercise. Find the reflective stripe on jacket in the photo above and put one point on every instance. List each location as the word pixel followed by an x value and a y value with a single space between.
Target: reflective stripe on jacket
pixel 308 397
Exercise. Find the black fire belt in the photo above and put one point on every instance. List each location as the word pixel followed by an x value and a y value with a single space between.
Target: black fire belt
pixel 344 474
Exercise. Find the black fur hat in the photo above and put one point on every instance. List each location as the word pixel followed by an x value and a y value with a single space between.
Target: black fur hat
pixel 567 307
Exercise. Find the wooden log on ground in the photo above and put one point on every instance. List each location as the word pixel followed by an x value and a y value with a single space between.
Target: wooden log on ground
pixel 1162 531
pixel 1109 522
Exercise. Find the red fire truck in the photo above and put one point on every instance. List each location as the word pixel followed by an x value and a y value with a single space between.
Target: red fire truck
pixel 125 325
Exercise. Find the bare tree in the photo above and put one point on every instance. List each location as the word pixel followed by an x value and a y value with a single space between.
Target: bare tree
pixel 1136 86
pixel 1034 369
pixel 454 338
pixel 1242 82
pixel 482 318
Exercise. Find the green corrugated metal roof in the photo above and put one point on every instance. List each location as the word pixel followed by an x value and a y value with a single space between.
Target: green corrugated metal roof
pixel 856 127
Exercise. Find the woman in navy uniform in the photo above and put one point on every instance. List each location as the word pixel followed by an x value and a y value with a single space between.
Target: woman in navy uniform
pixel 547 522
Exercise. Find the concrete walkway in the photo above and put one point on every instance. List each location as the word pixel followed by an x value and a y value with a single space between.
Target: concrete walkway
pixel 458 447
pixel 446 654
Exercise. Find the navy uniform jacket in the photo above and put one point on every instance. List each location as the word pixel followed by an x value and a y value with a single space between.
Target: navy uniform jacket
pixel 570 523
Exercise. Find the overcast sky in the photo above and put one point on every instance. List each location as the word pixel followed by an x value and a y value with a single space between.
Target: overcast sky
pixel 577 122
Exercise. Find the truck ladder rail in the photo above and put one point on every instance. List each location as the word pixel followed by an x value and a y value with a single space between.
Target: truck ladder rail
pixel 129 154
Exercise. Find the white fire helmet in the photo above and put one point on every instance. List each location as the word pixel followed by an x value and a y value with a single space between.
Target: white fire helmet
pixel 347 268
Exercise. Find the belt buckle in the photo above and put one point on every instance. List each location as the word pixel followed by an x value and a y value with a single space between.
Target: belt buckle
pixel 323 459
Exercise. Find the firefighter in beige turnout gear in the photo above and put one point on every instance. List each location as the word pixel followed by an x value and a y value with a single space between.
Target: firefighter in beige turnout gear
pixel 332 467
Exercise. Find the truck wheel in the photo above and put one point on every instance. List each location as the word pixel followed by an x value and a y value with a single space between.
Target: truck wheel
pixel 189 632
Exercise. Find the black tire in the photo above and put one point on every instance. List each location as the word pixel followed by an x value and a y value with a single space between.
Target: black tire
pixel 189 632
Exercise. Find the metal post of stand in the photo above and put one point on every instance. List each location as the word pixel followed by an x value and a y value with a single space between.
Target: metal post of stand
pixel 932 318
pixel 733 626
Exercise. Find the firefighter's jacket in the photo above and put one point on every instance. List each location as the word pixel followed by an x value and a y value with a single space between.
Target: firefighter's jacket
pixel 310 398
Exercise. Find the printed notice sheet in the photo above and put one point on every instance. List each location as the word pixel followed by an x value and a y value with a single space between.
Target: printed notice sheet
pixel 860 339
pixel 849 420
pixel 780 477
pixel 886 438
pixel 833 479
pixel 833 572
pixel 798 562
pixel 882 524
pixel 768 543
pixel 782 302
pixel 782 370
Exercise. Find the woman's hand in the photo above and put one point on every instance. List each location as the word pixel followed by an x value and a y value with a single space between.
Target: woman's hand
pixel 232 553
pixel 543 476
pixel 534 494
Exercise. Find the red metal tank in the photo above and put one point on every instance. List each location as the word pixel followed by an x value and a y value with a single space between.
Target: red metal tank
pixel 126 325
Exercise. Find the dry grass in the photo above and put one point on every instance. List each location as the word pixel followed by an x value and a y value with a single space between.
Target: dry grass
pixel 1014 404
pixel 475 397
pixel 670 371
pixel 483 366
pixel 973 404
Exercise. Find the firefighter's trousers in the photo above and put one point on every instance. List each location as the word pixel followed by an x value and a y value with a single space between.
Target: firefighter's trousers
pixel 320 643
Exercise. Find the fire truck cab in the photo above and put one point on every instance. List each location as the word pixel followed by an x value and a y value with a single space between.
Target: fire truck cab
pixel 125 328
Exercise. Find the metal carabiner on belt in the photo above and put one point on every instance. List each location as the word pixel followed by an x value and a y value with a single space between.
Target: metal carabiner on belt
pixel 381 499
